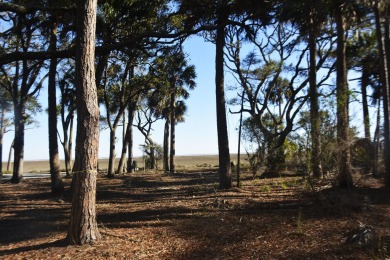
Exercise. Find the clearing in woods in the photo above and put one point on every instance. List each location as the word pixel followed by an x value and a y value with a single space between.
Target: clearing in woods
pixel 151 215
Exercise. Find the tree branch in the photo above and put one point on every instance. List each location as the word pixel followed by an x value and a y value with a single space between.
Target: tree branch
pixel 25 9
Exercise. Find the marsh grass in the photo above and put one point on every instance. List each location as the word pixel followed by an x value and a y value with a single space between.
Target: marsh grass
pixel 187 162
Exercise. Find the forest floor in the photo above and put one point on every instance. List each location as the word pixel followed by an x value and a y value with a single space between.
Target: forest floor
pixel 185 216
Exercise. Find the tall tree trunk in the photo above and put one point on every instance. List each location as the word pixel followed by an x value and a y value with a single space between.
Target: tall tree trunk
pixel 57 186
pixel 384 49
pixel 315 118
pixel 111 159
pixel 166 146
pixel 344 154
pixel 386 97
pixel 152 156
pixel 83 226
pixel 67 159
pixel 19 111
pixel 225 174
pixel 375 170
pixel 130 158
pixel 121 165
pixel 239 142
pixel 122 160
pixel 366 115
pixel 71 127
pixel 172 153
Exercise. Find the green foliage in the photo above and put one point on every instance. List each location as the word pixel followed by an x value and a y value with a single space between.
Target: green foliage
pixel 290 183
pixel 265 188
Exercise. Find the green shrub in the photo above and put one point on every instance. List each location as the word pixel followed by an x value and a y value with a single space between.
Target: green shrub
pixel 265 188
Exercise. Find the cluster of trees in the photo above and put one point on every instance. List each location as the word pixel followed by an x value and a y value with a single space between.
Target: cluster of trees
pixel 127 55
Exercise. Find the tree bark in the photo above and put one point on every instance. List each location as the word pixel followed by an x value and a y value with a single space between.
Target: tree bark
pixel 57 186
pixel 225 175
pixel 111 159
pixel 130 158
pixel 384 49
pixel 343 142
pixel 83 226
pixel 19 111
pixel 172 153
pixel 166 146
pixel 121 165
pixel 386 97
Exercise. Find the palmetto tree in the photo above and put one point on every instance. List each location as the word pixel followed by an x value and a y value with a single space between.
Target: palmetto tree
pixel 175 75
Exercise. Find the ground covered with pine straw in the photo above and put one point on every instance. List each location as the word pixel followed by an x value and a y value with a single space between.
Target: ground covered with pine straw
pixel 186 216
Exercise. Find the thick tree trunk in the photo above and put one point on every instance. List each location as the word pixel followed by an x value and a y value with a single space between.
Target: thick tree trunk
pixel 384 50
pixel 386 98
pixel 17 174
pixel 166 146
pixel 83 226
pixel 343 143
pixel 315 118
pixel 225 175
pixel 57 186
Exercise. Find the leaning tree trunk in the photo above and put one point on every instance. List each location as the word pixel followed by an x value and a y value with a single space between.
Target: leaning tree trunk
pixel 122 160
pixel 315 118
pixel 344 154
pixel 225 175
pixel 19 111
pixel 83 226
pixel 166 146
pixel 10 155
pixel 57 186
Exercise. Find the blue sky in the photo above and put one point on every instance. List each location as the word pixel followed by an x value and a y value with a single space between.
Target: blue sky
pixel 197 135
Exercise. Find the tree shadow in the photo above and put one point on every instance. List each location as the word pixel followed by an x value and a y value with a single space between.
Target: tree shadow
pixel 57 243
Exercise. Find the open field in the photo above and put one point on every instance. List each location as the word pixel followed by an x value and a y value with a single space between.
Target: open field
pixel 185 216
pixel 187 161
